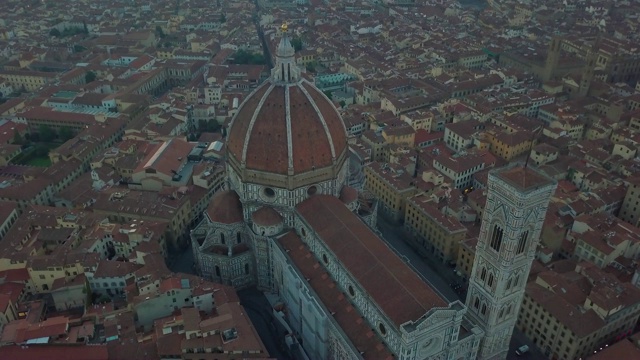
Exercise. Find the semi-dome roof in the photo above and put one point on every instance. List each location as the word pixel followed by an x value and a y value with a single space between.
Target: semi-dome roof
pixel 225 208
pixel 266 216
pixel 286 126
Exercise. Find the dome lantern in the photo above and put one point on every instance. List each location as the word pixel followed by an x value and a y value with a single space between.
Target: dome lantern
pixel 285 70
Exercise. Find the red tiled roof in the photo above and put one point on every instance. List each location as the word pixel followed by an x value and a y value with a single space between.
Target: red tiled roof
pixel 225 207
pixel 349 319
pixel 266 216
pixel 67 352
pixel 260 132
pixel 524 178
pixel 624 349
pixel 395 287
pixel 348 194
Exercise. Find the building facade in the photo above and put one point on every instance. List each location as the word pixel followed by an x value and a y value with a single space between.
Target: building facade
pixel 516 206
pixel 289 224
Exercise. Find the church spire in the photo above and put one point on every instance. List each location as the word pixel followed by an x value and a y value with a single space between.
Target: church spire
pixel 285 69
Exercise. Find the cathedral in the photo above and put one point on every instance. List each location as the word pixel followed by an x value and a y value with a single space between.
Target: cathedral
pixel 290 225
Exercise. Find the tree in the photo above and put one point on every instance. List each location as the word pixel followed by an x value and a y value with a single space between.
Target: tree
pixel 89 76
pixel 78 48
pixel 223 18
pixel 342 103
pixel 208 126
pixel 46 133
pixel 328 93
pixel 54 32
pixel 41 150
pixel 159 32
pixel 17 138
pixel 296 42
pixel 85 29
pixel 311 67
pixel 245 57
pixel 66 133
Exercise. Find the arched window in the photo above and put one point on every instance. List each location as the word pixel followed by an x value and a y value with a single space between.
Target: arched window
pixel 496 237
pixel 483 274
pixel 515 280
pixel 246 269
pixel 501 314
pixel 484 309
pixel 222 238
pixel 522 242
pixel 238 238
pixel 476 303
pixel 217 271
pixel 509 284
pixel 490 282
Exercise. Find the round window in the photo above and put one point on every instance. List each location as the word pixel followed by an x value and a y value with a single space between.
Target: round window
pixel 268 192
pixel 383 330
pixel 351 291
pixel 312 190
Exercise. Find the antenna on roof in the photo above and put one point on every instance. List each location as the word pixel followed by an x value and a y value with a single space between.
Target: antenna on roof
pixel 533 141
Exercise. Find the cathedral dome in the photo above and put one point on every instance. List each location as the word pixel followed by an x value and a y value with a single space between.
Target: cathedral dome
pixel 286 127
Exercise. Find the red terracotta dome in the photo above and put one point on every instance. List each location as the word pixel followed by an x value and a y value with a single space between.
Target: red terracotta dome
pixel 266 216
pixel 225 208
pixel 287 128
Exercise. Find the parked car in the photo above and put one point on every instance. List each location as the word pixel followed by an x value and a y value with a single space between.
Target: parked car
pixel 522 350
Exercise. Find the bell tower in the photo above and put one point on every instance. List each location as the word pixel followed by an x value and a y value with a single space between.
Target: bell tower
pixel 514 214
pixel 553 55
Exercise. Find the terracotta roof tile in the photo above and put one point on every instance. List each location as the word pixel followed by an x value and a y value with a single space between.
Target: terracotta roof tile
pixel 349 319
pixel 523 178
pixel 266 216
pixel 313 126
pixel 225 207
pixel 369 260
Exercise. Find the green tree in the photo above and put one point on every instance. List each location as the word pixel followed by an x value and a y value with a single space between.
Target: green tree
pixel 54 32
pixel 311 67
pixel 223 18
pixel 244 57
pixel 89 76
pixel 17 138
pixel 208 126
pixel 66 133
pixel 328 93
pixel 296 42
pixel 41 150
pixel 46 133
pixel 78 48
pixel 159 32
pixel 342 103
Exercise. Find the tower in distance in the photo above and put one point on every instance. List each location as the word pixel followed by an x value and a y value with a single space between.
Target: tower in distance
pixel 517 201
pixel 553 55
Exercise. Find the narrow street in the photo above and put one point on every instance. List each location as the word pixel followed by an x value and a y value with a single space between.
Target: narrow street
pixel 430 270
pixel 182 262
pixel 439 276
pixel 259 311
